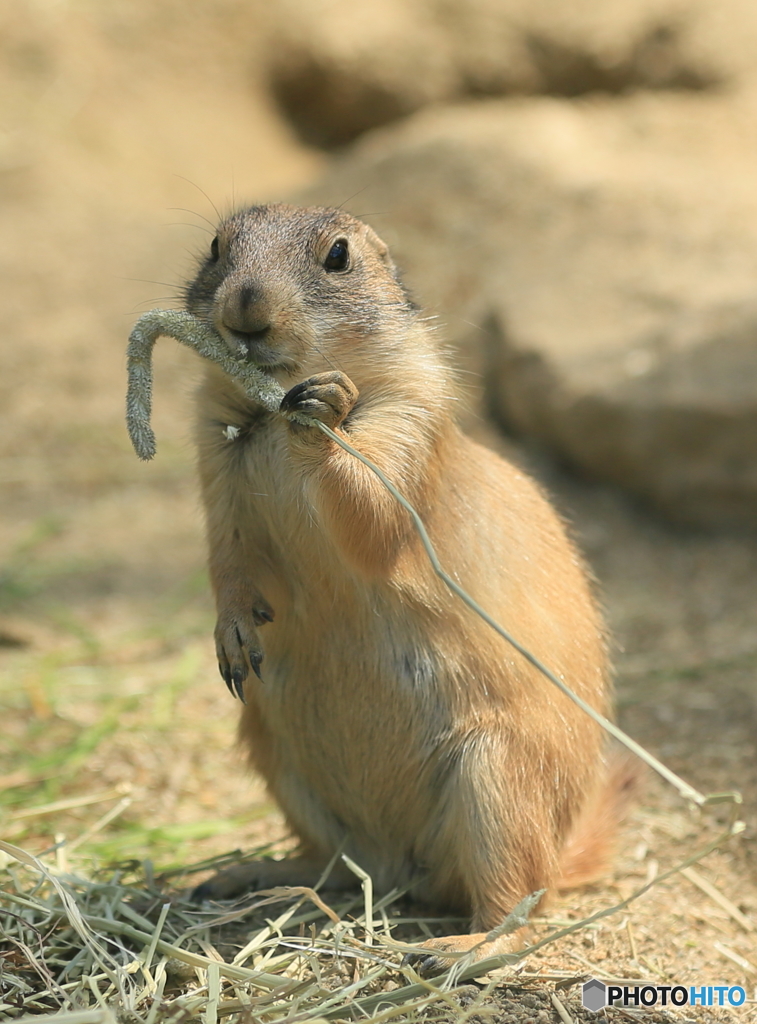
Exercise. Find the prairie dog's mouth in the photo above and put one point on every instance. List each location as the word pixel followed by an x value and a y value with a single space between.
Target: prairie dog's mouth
pixel 256 347
pixel 253 345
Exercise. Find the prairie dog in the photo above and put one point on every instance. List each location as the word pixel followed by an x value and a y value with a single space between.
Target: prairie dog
pixel 382 712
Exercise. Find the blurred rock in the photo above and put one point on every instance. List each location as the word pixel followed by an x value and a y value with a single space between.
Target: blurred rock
pixel 596 261
pixel 340 69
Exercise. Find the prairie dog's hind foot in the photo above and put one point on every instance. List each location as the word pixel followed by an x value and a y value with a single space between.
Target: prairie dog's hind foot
pixel 267 874
pixel 428 964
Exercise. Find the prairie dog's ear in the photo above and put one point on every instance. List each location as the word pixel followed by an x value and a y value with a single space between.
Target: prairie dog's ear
pixel 380 246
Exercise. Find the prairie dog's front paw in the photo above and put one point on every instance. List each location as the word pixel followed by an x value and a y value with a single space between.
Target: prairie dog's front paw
pixel 238 646
pixel 328 397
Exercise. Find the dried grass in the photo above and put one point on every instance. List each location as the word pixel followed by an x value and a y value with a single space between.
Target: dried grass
pixel 87 950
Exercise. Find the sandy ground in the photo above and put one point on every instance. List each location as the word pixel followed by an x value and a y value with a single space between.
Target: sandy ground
pixel 105 614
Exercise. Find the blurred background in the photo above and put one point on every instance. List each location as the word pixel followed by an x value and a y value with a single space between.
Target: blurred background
pixel 570 188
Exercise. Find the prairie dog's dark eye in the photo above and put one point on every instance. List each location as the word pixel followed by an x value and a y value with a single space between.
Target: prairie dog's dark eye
pixel 214 249
pixel 338 257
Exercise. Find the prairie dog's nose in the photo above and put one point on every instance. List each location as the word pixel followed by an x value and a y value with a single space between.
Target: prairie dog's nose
pixel 245 310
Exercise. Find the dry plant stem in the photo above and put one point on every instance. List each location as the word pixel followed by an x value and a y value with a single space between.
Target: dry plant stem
pixel 562 1013
pixel 99 1016
pixel 736 958
pixel 263 389
pixel 717 897
pixel 204 340
pixel 366 883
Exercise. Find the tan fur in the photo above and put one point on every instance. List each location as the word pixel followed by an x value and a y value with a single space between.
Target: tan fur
pixel 590 846
pixel 388 715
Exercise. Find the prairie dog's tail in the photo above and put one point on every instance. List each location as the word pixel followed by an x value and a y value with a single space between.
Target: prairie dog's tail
pixel 587 854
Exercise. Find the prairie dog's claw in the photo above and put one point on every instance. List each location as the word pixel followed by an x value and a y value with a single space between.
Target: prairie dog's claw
pixel 237 679
pixel 238 648
pixel 425 964
pixel 255 660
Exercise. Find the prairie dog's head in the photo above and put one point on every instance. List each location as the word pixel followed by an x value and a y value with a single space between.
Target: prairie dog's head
pixel 288 287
